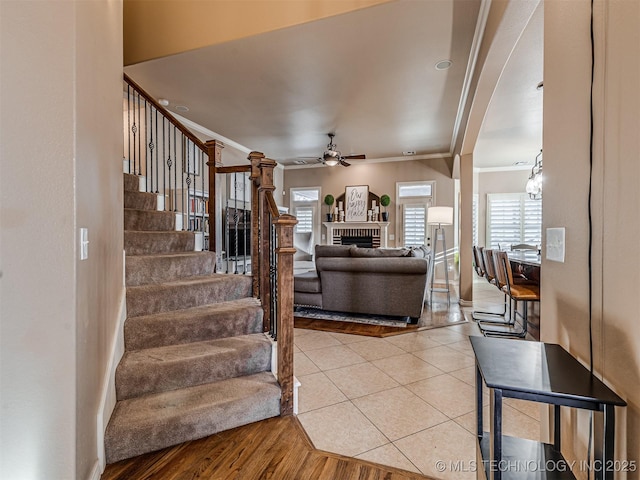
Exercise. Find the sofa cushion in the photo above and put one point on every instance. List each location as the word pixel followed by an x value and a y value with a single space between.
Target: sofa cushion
pixel 333 251
pixel 421 251
pixel 378 252
pixel 307 282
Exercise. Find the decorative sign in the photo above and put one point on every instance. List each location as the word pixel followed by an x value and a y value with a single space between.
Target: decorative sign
pixel 356 200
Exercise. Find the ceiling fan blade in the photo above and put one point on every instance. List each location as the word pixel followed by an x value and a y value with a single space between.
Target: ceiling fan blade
pixel 344 164
pixel 355 157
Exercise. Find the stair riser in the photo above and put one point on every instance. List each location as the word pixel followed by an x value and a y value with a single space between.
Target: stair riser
pixel 142 270
pixel 149 332
pixel 131 183
pixel 148 243
pixel 175 427
pixel 156 377
pixel 148 299
pixel 140 200
pixel 149 220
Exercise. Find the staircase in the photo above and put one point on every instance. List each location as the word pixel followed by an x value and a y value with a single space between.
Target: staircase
pixel 196 361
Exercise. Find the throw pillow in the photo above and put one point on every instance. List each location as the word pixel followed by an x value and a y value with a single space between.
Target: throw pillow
pixel 377 252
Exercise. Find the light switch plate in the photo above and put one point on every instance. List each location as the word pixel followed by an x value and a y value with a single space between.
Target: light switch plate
pixel 555 244
pixel 392 236
pixel 84 243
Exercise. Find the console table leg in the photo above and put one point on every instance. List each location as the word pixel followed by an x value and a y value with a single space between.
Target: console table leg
pixel 556 427
pixel 480 427
pixel 604 438
pixel 495 396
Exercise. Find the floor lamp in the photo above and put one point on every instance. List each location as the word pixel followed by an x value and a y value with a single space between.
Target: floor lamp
pixel 439 216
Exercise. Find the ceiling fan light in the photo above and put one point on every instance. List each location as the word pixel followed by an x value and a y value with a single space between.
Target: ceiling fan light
pixel 331 161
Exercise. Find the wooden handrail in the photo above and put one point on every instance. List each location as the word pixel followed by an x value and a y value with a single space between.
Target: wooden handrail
pixel 166 113
pixel 234 169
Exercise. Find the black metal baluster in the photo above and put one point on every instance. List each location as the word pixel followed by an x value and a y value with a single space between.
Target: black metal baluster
pixel 129 125
pixel 227 233
pixel 164 155
pixel 188 181
pixel 146 156
pixel 236 220
pixel 273 279
pixel 244 224
pixel 169 163
pixel 175 172
pixel 205 238
pixel 135 131
pixel 185 214
pixel 157 150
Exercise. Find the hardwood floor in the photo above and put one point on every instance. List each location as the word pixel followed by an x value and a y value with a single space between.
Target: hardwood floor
pixel 277 449
pixel 352 327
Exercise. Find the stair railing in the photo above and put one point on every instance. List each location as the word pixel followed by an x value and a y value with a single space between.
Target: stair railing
pixel 171 162
pixel 233 246
pixel 272 245
pixel 184 171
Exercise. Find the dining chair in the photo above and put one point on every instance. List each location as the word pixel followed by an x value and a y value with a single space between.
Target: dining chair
pixel 493 322
pixel 518 291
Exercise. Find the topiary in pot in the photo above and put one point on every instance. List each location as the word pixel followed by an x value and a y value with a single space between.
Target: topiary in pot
pixel 385 201
pixel 329 201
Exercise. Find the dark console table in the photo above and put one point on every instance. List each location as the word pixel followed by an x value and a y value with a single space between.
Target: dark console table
pixel 546 373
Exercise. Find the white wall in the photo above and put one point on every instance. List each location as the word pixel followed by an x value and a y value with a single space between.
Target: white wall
pixel 61 67
pixel 616 202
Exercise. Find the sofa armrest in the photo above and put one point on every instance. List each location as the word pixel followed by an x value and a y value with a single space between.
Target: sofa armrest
pixel 404 265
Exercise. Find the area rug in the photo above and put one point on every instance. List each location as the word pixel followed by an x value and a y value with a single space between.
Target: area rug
pixel 383 320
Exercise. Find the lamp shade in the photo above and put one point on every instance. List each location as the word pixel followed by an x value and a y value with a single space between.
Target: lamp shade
pixel 440 215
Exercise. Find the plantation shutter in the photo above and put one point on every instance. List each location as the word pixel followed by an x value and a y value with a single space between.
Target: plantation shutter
pixel 532 222
pixel 474 218
pixel 305 219
pixel 414 222
pixel 512 219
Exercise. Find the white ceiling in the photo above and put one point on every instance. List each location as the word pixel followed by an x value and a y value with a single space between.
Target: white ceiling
pixel 368 76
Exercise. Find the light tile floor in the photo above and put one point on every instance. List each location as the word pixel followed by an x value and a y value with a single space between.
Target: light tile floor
pixel 406 401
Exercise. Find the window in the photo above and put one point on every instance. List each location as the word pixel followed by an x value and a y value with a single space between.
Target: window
pixel 474 218
pixel 414 220
pixel 414 189
pixel 513 218
pixel 305 195
pixel 413 199
pixel 305 219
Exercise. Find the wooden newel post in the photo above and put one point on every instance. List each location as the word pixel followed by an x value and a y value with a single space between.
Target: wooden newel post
pixel 262 175
pixel 214 153
pixel 285 251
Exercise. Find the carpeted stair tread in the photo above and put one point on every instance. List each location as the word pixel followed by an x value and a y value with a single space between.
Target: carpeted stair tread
pixel 152 422
pixel 145 269
pixel 147 243
pixel 191 292
pixel 140 200
pixel 149 220
pixel 160 369
pixel 131 182
pixel 196 324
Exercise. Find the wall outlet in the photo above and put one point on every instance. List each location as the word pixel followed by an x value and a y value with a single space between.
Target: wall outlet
pixel 555 244
pixel 392 236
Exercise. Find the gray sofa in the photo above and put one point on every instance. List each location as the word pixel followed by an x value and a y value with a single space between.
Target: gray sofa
pixel 366 280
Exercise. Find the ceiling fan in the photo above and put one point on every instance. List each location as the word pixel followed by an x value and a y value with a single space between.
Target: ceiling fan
pixel 333 157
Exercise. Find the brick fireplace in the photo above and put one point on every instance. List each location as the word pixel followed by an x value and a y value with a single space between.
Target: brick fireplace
pixel 357 233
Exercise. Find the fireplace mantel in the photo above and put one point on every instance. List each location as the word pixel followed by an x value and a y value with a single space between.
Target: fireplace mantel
pixel 377 230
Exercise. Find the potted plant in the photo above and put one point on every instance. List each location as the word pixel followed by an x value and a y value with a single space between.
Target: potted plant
pixel 329 201
pixel 385 201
